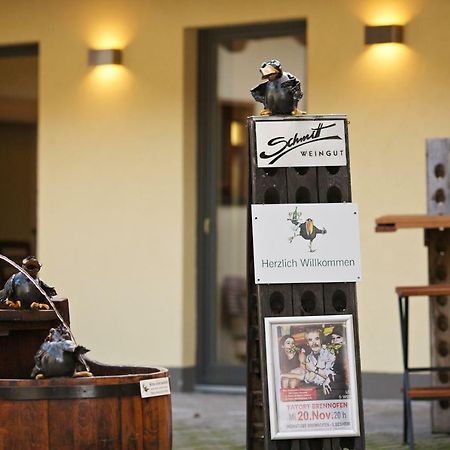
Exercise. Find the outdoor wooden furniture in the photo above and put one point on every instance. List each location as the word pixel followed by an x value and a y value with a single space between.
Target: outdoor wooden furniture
pixel 396 222
pixel 417 393
pixel 104 411
pixel 437 232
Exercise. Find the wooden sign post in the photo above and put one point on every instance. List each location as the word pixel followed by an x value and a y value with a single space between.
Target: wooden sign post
pixel 322 176
pixel 437 240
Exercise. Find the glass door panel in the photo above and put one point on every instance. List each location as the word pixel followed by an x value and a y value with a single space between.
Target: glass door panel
pixel 232 63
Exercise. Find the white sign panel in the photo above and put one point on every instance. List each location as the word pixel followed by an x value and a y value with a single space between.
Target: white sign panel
pixel 311 377
pixel 154 387
pixel 306 243
pixel 300 143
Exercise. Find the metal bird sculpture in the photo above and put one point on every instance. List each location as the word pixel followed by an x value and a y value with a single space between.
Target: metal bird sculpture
pixel 20 292
pixel 59 356
pixel 280 92
pixel 67 331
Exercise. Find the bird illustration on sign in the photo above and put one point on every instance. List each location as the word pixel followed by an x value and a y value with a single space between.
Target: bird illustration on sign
pixel 307 230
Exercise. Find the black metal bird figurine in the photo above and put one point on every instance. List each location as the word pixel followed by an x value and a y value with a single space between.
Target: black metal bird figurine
pixel 280 92
pixel 19 292
pixel 60 356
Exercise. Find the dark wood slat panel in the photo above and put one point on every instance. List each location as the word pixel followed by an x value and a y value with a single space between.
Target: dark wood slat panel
pixel 302 185
pixel 33 420
pixel 437 240
pixel 108 427
pixel 438 208
pixel 294 185
pixel 308 299
pixel 340 298
pixel 131 423
pixel 439 311
pixel 61 437
pixel 84 420
pixel 9 420
pixel 157 423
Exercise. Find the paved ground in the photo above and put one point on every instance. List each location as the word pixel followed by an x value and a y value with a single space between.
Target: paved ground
pixel 217 421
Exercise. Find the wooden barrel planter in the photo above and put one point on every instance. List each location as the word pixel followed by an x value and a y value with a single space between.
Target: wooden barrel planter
pixel 102 412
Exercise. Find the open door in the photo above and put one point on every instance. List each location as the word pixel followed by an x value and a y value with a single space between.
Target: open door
pixel 18 151
pixel 229 61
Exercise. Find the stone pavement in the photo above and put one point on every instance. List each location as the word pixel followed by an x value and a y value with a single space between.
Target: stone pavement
pixel 217 421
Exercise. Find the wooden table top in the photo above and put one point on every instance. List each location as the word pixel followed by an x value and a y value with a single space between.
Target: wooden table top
pixel 432 290
pixel 395 222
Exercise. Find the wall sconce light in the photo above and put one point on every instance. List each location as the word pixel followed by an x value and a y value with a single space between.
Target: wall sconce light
pixel 104 56
pixel 383 34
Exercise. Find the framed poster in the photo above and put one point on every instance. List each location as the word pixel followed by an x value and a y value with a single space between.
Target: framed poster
pixel 306 243
pixel 311 377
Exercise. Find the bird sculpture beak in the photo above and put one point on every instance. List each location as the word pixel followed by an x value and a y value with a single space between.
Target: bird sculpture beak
pixel 268 71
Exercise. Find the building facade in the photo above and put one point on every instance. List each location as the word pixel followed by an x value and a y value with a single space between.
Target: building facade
pixel 122 224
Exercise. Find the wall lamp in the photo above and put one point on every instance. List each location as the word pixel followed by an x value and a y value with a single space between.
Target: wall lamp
pixel 383 34
pixel 104 56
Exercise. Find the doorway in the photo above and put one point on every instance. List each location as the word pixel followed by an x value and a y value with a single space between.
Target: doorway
pixel 229 61
pixel 18 152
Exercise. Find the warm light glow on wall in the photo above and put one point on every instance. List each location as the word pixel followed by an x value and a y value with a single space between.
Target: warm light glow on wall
pixel 108 38
pixel 108 80
pixel 388 18
pixel 389 60
pixel 108 72
pixel 382 12
pixel 387 53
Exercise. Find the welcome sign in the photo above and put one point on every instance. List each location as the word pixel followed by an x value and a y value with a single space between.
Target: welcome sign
pixel 306 243
pixel 302 142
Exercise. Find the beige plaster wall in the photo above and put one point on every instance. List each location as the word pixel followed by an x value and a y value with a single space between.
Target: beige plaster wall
pixel 117 156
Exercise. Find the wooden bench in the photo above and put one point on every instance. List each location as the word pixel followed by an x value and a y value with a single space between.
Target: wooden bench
pixel 417 393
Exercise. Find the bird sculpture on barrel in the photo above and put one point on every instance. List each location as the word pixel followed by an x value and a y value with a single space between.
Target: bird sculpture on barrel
pixel 60 356
pixel 280 92
pixel 19 291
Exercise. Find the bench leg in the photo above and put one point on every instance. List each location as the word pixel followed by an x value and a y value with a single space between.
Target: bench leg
pixel 408 435
pixel 408 411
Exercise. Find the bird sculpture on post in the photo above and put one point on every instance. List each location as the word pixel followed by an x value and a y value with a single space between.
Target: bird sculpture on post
pixel 280 92
pixel 60 356
pixel 20 292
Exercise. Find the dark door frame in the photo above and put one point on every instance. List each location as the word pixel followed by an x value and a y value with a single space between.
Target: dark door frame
pixel 20 51
pixel 208 131
pixel 17 50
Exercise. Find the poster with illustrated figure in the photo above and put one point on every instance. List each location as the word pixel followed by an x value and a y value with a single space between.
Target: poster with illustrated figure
pixel 311 377
pixel 306 243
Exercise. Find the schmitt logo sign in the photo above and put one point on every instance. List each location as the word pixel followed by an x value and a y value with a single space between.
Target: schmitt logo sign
pixel 301 143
